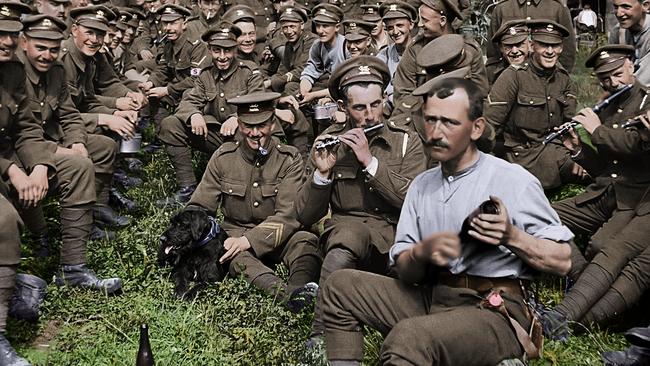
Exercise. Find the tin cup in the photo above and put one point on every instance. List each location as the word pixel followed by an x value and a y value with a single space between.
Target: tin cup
pixel 131 145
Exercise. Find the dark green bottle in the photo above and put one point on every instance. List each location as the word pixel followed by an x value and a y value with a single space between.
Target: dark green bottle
pixel 145 356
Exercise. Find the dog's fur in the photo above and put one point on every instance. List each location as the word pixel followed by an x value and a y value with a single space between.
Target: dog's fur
pixel 191 263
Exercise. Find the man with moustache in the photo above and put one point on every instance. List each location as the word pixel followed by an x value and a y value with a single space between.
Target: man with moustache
pixel 399 18
pixel 181 59
pixel 296 51
pixel 453 290
pixel 363 180
pixel 253 182
pixel 512 39
pixel 529 100
pixel 357 38
pixel 204 118
pixel 55 8
pixel 210 12
pixel 324 55
pixel 634 29
pixel 614 211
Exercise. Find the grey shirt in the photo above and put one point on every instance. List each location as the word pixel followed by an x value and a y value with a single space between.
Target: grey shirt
pixel 641 43
pixel 323 60
pixel 435 203
pixel 391 58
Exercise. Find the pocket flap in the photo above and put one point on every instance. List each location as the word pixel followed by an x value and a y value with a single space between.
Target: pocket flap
pixel 345 172
pixel 530 100
pixel 233 189
pixel 269 190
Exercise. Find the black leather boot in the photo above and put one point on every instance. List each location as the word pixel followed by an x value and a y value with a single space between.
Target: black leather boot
pixel 302 297
pixel 633 356
pixel 118 200
pixel 80 276
pixel 41 246
pixel 177 199
pixel 8 356
pixel 107 217
pixel 101 234
pixel 28 296
pixel 153 147
pixel 134 165
pixel 639 336
pixel 120 177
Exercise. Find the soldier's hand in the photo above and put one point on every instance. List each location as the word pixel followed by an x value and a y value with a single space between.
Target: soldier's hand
pixel 79 149
pixel 233 247
pixel 358 142
pixel 139 98
pixel 120 125
pixel 198 125
pixel 307 98
pixel 579 171
pixel 126 103
pixel 229 127
pixel 324 159
pixel 492 229
pixel 40 183
pixel 285 115
pixel 645 132
pixel 570 140
pixel 158 92
pixel 289 100
pixel 588 119
pixel 131 116
pixel 146 55
pixel 23 186
pixel 145 86
pixel 438 249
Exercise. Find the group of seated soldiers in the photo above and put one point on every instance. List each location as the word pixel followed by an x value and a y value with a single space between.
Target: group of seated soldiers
pixel 247 82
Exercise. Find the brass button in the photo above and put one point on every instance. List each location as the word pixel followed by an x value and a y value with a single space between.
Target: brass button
pixel 408 119
pixel 42 104
pixel 528 3
pixel 376 209
pixel 257 164
pixel 2 129
pixel 255 204
pixel 221 95
pixel 619 110
pixel 614 175
pixel 550 114
pixel 275 190
pixel 43 122
pixel 528 18
pixel 338 175
pixel 615 162
pixel 230 191
pixel 615 125
pixel 222 109
pixel 371 189
pixel 531 102
pixel 255 185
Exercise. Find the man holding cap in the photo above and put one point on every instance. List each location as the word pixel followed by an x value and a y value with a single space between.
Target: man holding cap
pixel 324 55
pixel 204 118
pixel 514 46
pixel 363 179
pixel 398 18
pixel 529 100
pixel 254 181
pixel 615 210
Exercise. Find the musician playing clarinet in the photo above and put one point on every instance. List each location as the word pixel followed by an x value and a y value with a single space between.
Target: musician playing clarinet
pixel 611 275
pixel 363 179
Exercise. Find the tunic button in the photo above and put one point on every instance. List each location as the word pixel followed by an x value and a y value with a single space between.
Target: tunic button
pixel 255 184
pixel 619 110
pixel 550 114
pixel 339 175
pixel 376 209
pixel 548 98
pixel 615 125
pixel 222 109
pixel 614 175
pixel 615 162
pixel 230 191
pixel 531 102
pixel 221 95
pixel 528 3
pixel 255 204
pixel 275 190
pixel 371 189
pixel 408 119
pixel 257 164
pixel 42 104
pixel 2 129
pixel 43 122
pixel 527 18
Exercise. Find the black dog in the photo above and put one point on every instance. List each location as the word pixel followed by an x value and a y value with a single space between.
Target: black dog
pixel 192 245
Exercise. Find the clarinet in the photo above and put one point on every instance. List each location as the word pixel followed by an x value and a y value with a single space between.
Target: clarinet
pixel 597 108
pixel 336 141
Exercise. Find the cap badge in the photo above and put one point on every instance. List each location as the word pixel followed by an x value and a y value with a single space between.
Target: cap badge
pixel 100 14
pixel 289 11
pixel 47 23
pixel 123 18
pixel 604 55
pixel 364 70
pixel 5 11
pixel 353 25
pixel 169 10
pixel 513 31
pixel 370 11
pixel 240 12
pixel 225 30
pixel 323 11
pixel 393 7
pixel 254 108
pixel 549 27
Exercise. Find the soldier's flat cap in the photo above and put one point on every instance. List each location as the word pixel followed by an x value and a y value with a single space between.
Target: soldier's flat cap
pixel 130 17
pixel 396 9
pixel 511 32
pixel 547 31
pixel 223 35
pixel 10 12
pixel 123 18
pixel 327 13
pixel 255 108
pixel 609 57
pixel 356 30
pixel 448 8
pixel 239 13
pixel 293 14
pixel 428 87
pixel 61 1
pixel 361 69
pixel 44 27
pixel 95 17
pixel 441 52
pixel 370 13
pixel 172 12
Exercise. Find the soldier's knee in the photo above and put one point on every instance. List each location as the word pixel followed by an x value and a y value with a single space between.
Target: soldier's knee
pixel 170 127
pixel 337 282
pixel 403 340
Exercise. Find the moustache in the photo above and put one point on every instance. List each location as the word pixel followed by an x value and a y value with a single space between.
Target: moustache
pixel 437 143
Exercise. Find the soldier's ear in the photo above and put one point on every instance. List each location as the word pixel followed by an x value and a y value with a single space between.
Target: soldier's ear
pixel 478 126
pixel 23 42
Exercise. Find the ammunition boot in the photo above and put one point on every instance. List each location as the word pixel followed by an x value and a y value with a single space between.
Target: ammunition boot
pixel 177 199
pixel 118 200
pixel 100 234
pixel 107 217
pixel 302 297
pixel 80 276
pixel 28 296
pixel 8 356
pixel 125 181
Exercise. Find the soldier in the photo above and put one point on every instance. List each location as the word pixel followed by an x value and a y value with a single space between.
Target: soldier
pixel 204 118
pixel 296 51
pixel 263 12
pixel 529 100
pixel 357 38
pixel 514 46
pixel 210 12
pixel 633 29
pixel 351 8
pixel 554 10
pixel 180 61
pixel 399 18
pixel 55 8
pixel 253 181
pixel 324 55
pixel 614 210
pixel 364 180
pixel 435 20
pixel 152 34
pixel 248 49
pixel 380 38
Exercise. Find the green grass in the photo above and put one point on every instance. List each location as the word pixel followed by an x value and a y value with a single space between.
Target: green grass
pixel 231 324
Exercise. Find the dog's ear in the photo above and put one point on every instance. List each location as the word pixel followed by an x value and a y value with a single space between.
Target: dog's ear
pixel 198 223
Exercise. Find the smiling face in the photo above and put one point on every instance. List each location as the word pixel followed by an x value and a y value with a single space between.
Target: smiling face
pixel 399 30
pixel 326 32
pixel 516 53
pixel 209 8
pixel 222 57
pixel 292 30
pixel 8 43
pixel 256 135
pixel 431 22
pixel 631 13
pixel 615 79
pixel 41 53
pixel 128 34
pixel 87 40
pixel 174 29
pixel 248 37
pixel 357 48
pixel 546 54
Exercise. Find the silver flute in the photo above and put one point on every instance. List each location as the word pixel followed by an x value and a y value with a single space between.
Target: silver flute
pixel 336 141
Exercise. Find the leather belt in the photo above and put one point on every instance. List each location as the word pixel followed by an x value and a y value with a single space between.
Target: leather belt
pixel 483 284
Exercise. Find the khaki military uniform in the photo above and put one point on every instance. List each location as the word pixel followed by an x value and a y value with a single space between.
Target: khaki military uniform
pixel 256 193
pixel 108 85
pixel 264 14
pixel 494 68
pixel 615 209
pixel 295 57
pixel 197 24
pixel 152 31
pixel 208 97
pixel 178 65
pixel 534 9
pixel 80 73
pixel 525 104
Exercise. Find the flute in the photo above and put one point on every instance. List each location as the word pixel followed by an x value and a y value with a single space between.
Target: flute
pixel 597 108
pixel 336 141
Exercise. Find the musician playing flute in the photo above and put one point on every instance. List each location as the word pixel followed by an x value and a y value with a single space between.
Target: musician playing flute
pixel 529 100
pixel 363 179
pixel 613 272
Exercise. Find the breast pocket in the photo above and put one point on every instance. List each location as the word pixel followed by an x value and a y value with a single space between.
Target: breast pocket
pixel 349 193
pixel 267 205
pixel 234 205
pixel 8 109
pixel 531 113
